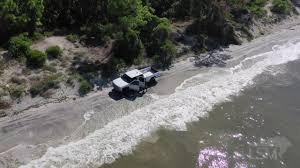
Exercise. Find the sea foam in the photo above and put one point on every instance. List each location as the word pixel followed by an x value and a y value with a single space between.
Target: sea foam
pixel 173 112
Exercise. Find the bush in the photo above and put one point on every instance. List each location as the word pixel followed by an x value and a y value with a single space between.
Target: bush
pixel 166 56
pixel 48 33
pixel 19 46
pixel 17 91
pixel 36 59
pixel 281 6
pixel 85 87
pixel 37 36
pixel 257 7
pixel 44 85
pixel 50 68
pixel 54 51
pixel 72 38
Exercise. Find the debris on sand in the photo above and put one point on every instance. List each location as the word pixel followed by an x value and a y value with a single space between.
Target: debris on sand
pixel 211 58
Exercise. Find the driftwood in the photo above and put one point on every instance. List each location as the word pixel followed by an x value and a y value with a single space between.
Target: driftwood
pixel 211 58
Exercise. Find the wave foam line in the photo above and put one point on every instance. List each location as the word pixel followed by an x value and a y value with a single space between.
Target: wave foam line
pixel 121 136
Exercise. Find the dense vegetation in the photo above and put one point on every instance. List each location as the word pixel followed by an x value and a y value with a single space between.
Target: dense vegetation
pixel 137 25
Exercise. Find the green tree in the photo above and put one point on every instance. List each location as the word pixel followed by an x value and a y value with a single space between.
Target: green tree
pixel 18 16
pixel 129 47
pixel 120 8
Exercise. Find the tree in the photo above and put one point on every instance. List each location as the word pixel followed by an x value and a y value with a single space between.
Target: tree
pixel 18 16
pixel 119 8
pixel 166 55
pixel 129 47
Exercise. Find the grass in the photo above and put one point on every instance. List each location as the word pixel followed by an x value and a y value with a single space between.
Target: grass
pixel 17 80
pixel 17 91
pixel 2 66
pixel 257 7
pixel 50 68
pixel 43 85
pixel 84 87
pixel 48 33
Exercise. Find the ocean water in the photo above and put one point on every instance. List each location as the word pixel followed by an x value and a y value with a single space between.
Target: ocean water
pixel 201 123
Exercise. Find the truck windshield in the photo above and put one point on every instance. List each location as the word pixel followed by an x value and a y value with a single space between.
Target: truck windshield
pixel 126 78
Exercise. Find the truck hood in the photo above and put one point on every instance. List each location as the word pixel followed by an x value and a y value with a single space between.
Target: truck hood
pixel 120 83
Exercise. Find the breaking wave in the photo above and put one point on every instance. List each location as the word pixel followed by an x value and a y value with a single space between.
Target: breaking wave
pixel 173 112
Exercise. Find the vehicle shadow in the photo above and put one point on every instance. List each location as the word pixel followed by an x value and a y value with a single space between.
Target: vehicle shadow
pixel 131 96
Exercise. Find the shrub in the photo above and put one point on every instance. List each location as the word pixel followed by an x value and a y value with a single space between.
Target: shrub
pixel 281 6
pixel 17 91
pixel 54 51
pixel 166 56
pixel 85 87
pixel 36 59
pixel 44 85
pixel 18 80
pixel 72 38
pixel 19 46
pixel 257 7
pixel 117 64
pixel 37 36
pixel 4 105
pixel 50 68
pixel 48 33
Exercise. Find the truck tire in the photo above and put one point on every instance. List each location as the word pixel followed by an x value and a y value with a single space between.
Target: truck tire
pixel 127 92
pixel 152 81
